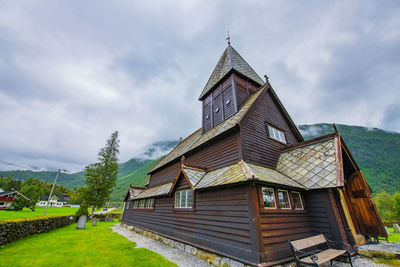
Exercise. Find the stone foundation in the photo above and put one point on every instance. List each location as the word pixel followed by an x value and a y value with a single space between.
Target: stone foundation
pixel 211 258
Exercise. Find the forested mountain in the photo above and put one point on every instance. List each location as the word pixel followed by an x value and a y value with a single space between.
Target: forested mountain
pixel 376 151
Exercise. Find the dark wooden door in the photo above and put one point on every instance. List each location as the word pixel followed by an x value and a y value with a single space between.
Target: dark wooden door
pixel 364 212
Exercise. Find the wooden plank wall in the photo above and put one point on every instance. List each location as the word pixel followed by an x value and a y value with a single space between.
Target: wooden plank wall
pixel 220 153
pixel 220 222
pixel 324 217
pixel 280 226
pixel 258 148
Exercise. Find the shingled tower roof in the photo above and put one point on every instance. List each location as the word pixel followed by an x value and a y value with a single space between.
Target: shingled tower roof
pixel 230 60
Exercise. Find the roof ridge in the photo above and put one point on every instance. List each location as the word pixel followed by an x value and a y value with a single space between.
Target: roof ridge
pixel 309 142
pixel 248 173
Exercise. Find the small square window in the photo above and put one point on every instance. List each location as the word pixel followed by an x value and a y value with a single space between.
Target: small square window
pixel 269 198
pixel 283 196
pixel 297 202
pixel 276 134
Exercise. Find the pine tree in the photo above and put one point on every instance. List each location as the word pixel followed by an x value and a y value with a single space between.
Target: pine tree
pixel 101 177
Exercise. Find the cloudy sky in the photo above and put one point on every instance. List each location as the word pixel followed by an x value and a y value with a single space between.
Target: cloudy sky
pixel 72 72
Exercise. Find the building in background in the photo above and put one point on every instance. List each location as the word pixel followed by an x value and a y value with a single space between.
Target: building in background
pixel 8 197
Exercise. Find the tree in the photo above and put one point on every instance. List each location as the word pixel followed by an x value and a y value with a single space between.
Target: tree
pixel 396 205
pixel 101 177
pixel 20 203
pixel 384 203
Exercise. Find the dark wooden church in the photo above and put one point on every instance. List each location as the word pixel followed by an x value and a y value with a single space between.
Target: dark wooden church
pixel 246 181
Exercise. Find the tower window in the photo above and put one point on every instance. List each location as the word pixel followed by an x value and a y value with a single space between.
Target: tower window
pixel 276 134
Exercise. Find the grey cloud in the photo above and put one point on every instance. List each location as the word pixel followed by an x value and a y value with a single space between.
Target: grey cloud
pixel 71 73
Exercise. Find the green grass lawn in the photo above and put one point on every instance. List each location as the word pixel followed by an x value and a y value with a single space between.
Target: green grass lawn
pixel 27 213
pixel 394 237
pixel 67 246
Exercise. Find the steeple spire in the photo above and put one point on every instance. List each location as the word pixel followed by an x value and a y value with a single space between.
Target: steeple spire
pixel 230 60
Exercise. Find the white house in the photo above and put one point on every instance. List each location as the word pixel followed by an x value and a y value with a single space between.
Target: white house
pixel 54 202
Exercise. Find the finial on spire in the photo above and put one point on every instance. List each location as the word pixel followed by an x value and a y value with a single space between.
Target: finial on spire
pixel 228 38
pixel 266 77
pixel 334 127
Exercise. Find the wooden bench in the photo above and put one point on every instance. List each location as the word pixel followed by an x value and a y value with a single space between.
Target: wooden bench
pixel 316 257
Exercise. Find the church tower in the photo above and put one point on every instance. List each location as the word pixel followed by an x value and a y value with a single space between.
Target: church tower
pixel 230 84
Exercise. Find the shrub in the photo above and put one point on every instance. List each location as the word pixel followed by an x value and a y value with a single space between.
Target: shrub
pixel 20 203
pixel 17 229
pixel 83 210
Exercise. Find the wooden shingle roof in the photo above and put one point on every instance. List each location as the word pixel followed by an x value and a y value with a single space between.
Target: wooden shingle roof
pixel 160 190
pixel 242 172
pixel 230 60
pixel 198 137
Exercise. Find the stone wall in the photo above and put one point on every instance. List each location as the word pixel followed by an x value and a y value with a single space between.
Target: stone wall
pixel 211 258
pixel 13 230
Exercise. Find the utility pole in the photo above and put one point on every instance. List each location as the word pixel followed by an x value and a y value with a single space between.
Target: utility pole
pixel 52 189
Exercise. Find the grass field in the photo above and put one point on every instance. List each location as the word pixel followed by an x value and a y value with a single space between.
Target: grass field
pixel 394 237
pixel 27 213
pixel 67 246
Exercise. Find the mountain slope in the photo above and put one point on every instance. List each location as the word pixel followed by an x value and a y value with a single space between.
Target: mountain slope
pixel 376 151
pixel 133 172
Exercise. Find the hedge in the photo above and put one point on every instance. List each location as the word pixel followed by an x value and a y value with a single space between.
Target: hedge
pixel 388 223
pixel 104 215
pixel 17 229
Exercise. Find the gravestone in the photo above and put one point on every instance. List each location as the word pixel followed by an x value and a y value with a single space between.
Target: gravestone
pixel 109 219
pixel 94 222
pixel 81 222
pixel 396 228
pixel 387 231
pixel 102 219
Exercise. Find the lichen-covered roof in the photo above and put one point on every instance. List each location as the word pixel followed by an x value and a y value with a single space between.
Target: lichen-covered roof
pixel 197 138
pixel 241 172
pixel 229 60
pixel 313 166
pixel 193 175
pixel 159 190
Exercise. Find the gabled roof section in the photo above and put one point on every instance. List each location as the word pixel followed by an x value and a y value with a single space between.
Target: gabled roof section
pixel 230 60
pixel 315 163
pixel 160 190
pixel 198 138
pixel 194 175
pixel 6 193
pixel 241 172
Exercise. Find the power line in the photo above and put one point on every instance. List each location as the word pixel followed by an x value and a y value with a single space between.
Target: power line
pixel 10 163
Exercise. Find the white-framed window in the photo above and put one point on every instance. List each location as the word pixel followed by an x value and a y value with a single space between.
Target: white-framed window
pixel 284 200
pixel 149 203
pixel 127 205
pixel 276 134
pixel 269 198
pixel 184 198
pixel 142 202
pixel 297 202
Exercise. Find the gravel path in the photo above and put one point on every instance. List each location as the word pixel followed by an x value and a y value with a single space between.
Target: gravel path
pixel 179 257
pixel 358 261
pixel 172 254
